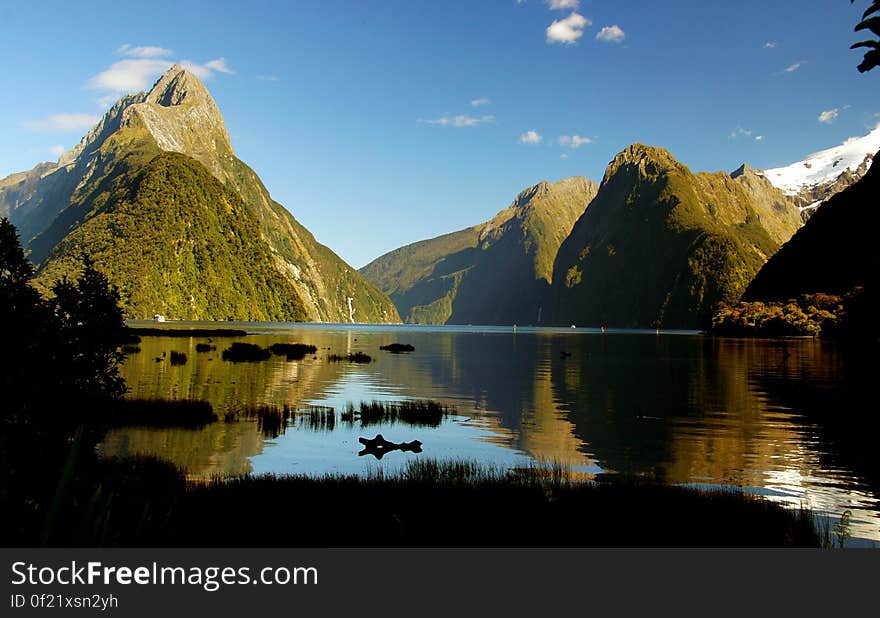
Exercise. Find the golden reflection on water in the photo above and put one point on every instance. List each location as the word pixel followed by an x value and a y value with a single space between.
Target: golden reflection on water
pixel 679 409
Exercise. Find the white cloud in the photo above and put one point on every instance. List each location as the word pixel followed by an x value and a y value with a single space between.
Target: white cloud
pixel 564 155
pixel 129 75
pixel 62 122
pixel 462 120
pixel 793 67
pixel 138 73
pixel 770 45
pixel 740 132
pixel 830 115
pixel 207 70
pixel 560 5
pixel 611 34
pixel 568 30
pixel 56 150
pixel 530 137
pixel 574 141
pixel 481 101
pixel 146 51
pixel 759 138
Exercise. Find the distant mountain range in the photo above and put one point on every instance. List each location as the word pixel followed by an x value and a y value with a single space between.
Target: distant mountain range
pixel 654 244
pixel 498 272
pixel 155 194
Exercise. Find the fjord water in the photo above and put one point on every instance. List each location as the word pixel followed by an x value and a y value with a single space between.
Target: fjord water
pixel 780 418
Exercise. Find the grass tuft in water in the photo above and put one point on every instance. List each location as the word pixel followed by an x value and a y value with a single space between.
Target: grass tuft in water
pixel 293 351
pixel 418 413
pixel 354 357
pixel 240 352
pixel 178 358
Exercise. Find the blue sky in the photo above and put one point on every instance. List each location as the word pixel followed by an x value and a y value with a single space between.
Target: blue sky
pixel 382 123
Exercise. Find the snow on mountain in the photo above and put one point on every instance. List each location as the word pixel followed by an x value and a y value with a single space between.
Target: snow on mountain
pixel 826 165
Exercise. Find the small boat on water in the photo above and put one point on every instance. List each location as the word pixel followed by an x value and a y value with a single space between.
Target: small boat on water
pixel 158 318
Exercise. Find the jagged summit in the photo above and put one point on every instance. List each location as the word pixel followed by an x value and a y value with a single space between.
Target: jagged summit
pixel 648 160
pixel 744 170
pixel 183 117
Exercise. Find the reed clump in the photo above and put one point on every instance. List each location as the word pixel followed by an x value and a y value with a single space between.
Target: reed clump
pixel 240 352
pixel 418 413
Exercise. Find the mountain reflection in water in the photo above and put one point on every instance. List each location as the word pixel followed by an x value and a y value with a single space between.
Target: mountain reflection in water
pixel 779 418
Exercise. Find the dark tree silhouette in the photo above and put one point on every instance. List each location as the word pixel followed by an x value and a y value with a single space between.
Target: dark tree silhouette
pixel 91 330
pixel 870 21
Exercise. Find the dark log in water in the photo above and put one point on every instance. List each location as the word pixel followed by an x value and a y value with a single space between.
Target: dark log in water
pixel 378 446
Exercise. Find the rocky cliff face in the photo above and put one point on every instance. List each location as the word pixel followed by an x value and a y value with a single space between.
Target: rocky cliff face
pixel 494 273
pixel 179 115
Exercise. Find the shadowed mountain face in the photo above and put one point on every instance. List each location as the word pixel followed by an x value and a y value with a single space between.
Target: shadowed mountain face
pixel 179 115
pixel 661 245
pixel 835 251
pixel 495 273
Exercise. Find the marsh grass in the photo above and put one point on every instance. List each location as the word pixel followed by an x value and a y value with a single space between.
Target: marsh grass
pixel 240 352
pixel 397 348
pixel 411 412
pixel 131 348
pixel 177 358
pixel 354 357
pixel 427 503
pixel 205 347
pixel 293 351
pixel 272 420
pixel 464 503
pixel 317 418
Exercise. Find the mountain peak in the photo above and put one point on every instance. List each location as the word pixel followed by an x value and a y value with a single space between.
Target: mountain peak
pixel 647 160
pixel 183 117
pixel 177 86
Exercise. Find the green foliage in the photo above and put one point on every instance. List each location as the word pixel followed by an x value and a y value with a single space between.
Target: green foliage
pixel 67 348
pixel 177 242
pixel 807 316
pixel 872 56
pixel 91 329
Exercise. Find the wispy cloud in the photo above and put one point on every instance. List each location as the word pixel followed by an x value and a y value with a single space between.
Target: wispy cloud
pixel 144 51
pixel 561 5
pixel 611 34
pixel 564 155
pixel 793 67
pixel 567 30
pixel 830 115
pixel 481 101
pixel 770 45
pixel 57 150
pixel 142 66
pixel 128 75
pixel 459 121
pixel 574 141
pixel 268 78
pixel 530 137
pixel 739 132
pixel 62 122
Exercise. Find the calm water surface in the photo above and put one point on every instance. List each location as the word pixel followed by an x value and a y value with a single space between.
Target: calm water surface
pixel 779 418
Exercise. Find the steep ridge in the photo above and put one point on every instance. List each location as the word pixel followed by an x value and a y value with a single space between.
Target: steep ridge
pixel 494 273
